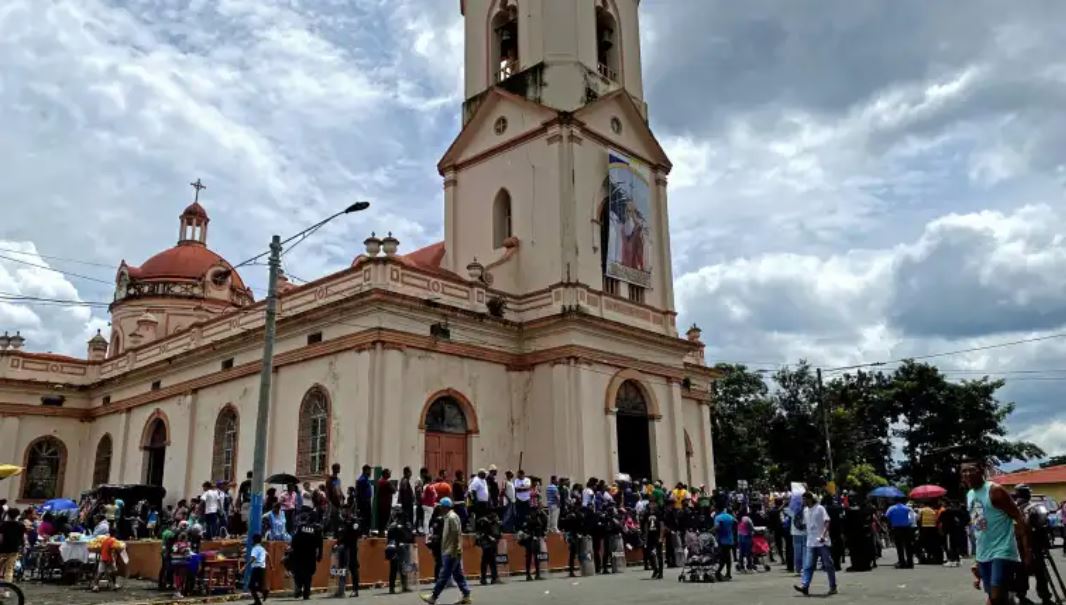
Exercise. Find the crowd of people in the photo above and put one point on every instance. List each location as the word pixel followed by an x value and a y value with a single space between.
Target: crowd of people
pixel 599 520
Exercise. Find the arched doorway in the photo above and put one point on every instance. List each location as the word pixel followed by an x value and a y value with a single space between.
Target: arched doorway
pixel 633 431
pixel 447 428
pixel 155 452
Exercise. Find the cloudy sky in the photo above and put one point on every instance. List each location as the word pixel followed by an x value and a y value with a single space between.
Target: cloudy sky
pixel 853 181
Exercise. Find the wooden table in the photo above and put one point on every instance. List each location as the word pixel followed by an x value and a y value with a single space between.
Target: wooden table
pixel 221 575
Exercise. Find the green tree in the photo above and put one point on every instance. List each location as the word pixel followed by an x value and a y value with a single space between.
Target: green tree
pixel 944 423
pixel 1054 461
pixel 797 437
pixel 742 411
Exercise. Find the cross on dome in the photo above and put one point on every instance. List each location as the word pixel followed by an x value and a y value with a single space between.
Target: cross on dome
pixel 197 186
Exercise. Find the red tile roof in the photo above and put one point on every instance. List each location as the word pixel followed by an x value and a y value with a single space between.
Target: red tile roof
pixel 428 257
pixel 1052 474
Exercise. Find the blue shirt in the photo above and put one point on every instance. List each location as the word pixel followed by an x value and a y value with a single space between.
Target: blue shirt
pixel 259 557
pixel 553 495
pixel 724 524
pixel 899 516
pixel 363 488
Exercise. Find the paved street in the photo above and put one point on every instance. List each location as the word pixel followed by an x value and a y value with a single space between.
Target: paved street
pixel 883 586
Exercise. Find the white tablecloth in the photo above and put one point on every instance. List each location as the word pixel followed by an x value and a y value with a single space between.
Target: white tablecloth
pixel 74 551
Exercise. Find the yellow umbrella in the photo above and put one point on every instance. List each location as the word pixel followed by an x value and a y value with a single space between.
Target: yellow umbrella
pixel 9 470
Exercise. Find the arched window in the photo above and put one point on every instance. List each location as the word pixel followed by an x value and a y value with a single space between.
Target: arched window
pixel 46 461
pixel 501 218
pixel 102 462
pixel 224 454
pixel 445 415
pixel 155 443
pixel 116 344
pixel 312 450
pixel 630 400
pixel 607 45
pixel 504 60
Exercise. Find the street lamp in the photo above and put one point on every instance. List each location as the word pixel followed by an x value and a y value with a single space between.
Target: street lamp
pixel 255 515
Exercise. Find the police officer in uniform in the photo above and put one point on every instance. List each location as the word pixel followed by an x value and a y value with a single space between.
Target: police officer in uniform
pixel 1036 515
pixel 351 532
pixel 306 553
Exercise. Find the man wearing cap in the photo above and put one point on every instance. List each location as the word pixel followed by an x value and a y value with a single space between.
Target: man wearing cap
pixel 451 547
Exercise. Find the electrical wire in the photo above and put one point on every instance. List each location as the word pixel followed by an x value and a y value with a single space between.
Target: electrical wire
pixel 53 269
pixel 59 258
pixel 949 353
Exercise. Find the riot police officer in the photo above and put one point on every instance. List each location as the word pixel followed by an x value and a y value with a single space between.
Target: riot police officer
pixel 306 553
pixel 1036 515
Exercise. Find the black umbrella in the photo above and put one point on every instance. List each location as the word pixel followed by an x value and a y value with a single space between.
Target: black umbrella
pixel 283 479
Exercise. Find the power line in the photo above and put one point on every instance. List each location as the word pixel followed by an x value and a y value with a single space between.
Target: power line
pixel 53 269
pixel 950 353
pixel 60 258
pixel 18 298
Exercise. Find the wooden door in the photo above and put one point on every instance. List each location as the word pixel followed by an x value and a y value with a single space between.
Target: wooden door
pixel 446 451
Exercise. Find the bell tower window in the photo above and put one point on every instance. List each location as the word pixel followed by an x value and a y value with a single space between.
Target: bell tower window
pixel 606 44
pixel 504 56
pixel 501 218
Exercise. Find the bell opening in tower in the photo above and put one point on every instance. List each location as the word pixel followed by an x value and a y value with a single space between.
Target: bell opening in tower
pixel 606 47
pixel 505 43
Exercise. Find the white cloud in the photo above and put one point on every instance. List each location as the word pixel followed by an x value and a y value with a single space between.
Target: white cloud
pixel 45 326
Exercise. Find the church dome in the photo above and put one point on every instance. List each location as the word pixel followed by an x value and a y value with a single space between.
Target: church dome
pixel 188 270
pixel 187 260
pixel 196 210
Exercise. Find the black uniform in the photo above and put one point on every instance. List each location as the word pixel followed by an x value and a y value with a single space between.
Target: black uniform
pixel 534 529
pixel 487 528
pixel 306 553
pixel 612 525
pixel 436 533
pixel 573 528
pixel 351 532
pixel 399 536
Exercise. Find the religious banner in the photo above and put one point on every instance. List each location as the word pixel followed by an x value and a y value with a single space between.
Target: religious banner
pixel 629 213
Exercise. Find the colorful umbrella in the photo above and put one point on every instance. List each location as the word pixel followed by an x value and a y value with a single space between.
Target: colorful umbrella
pixel 928 492
pixel 59 504
pixel 9 470
pixel 886 492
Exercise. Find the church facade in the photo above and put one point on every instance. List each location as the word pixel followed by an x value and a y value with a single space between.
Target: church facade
pixel 540 331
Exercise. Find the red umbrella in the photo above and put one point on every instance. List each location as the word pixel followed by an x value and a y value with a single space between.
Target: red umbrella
pixel 928 492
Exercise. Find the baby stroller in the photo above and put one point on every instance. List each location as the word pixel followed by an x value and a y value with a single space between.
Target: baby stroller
pixel 760 550
pixel 701 555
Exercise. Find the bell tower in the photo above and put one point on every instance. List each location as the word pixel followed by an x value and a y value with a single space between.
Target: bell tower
pixel 556 177
pixel 572 50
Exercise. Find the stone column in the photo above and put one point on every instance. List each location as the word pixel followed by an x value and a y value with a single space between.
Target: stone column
pixel 190 400
pixel 393 428
pixel 677 427
pixel 122 449
pixel 664 267
pixel 707 444
pixel 450 219
pixel 9 441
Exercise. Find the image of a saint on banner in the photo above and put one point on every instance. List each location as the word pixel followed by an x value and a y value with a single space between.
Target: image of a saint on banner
pixel 629 236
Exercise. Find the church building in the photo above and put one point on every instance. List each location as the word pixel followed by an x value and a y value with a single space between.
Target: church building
pixel 541 328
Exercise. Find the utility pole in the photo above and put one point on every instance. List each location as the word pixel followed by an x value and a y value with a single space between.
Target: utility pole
pixel 825 422
pixel 255 515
